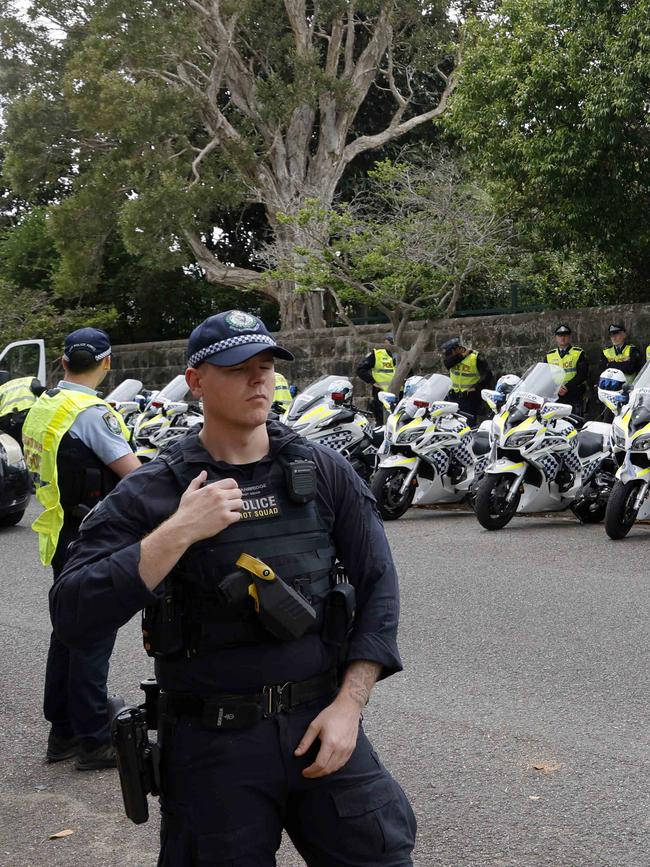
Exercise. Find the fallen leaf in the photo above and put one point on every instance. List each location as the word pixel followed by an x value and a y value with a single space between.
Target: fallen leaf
pixel 545 767
pixel 534 798
pixel 61 834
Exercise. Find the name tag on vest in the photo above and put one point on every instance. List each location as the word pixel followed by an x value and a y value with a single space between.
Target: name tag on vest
pixel 259 503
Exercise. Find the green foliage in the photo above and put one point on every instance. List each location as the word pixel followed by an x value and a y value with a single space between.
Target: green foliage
pixel 552 107
pixel 143 120
pixel 407 246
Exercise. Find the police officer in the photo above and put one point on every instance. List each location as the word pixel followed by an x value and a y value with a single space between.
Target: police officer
pixel 622 355
pixel 77 447
pixel 574 364
pixel 377 368
pixel 282 393
pixel 469 373
pixel 16 397
pixel 256 734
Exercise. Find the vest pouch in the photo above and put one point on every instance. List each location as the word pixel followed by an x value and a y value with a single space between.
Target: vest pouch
pixel 285 613
pixel 162 626
pixel 339 615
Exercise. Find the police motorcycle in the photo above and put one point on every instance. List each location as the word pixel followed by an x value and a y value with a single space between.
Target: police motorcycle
pixel 538 460
pixel 125 399
pixel 324 413
pixel 165 418
pixel 628 501
pixel 429 454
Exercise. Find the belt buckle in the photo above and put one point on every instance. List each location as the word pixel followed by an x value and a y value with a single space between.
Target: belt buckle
pixel 273 696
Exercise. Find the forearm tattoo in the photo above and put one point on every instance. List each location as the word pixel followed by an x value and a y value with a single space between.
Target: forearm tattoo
pixel 359 680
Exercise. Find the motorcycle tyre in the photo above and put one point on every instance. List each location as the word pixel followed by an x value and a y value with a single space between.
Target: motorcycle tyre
pixel 615 526
pixel 482 503
pixel 378 487
pixel 11 519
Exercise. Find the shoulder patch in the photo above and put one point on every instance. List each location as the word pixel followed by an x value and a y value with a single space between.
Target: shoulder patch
pixel 112 423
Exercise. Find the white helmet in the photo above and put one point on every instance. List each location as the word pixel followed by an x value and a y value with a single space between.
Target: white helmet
pixel 610 384
pixel 507 383
pixel 412 384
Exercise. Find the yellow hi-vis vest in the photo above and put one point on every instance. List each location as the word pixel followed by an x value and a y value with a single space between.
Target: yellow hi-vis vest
pixel 46 424
pixel 282 394
pixel 568 362
pixel 16 395
pixel 624 355
pixel 384 369
pixel 465 375
pixel 647 352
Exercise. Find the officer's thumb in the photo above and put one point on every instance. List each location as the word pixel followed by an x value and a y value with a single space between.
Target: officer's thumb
pixel 197 482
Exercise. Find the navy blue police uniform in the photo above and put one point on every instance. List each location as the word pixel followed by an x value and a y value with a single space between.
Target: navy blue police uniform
pixel 236 700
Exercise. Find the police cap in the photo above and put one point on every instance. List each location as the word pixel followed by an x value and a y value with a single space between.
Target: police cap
pixel 231 338
pixel 615 327
pixel 563 329
pixel 450 345
pixel 92 341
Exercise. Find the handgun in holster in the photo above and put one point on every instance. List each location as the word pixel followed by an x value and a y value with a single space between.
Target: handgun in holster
pixel 282 611
pixel 138 760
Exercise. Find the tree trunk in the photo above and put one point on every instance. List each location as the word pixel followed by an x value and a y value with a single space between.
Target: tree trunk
pixel 409 359
pixel 303 308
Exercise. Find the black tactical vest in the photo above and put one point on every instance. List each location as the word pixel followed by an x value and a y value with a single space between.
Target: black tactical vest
pixel 83 479
pixel 288 536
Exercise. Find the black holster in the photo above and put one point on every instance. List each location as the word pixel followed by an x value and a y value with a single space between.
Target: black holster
pixel 138 760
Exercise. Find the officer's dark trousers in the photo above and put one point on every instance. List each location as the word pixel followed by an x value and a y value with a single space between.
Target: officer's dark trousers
pixel 75 699
pixel 228 795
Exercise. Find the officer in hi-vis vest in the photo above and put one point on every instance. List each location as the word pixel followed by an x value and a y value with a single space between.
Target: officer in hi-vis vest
pixel 377 368
pixel 622 355
pixel 77 447
pixel 469 373
pixel 16 397
pixel 575 365
pixel 282 393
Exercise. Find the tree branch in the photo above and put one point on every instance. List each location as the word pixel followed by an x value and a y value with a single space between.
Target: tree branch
pixel 217 272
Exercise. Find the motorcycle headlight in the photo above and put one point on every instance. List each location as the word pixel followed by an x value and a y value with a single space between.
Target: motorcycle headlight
pixel 408 436
pixel 517 441
pixel 642 444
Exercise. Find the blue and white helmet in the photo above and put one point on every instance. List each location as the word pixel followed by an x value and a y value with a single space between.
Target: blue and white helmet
pixel 610 385
pixel 507 383
pixel 412 384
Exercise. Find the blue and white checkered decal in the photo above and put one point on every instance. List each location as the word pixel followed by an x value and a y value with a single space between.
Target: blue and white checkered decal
pixel 229 343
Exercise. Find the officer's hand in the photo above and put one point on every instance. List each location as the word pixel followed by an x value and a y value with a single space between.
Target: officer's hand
pixel 337 727
pixel 206 511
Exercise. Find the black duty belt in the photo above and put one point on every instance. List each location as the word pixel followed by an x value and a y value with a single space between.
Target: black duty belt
pixel 228 711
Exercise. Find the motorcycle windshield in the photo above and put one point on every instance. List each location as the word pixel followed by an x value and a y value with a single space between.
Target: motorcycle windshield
pixel 542 380
pixel 643 377
pixel 314 393
pixel 640 399
pixel 174 390
pixel 435 388
pixel 125 391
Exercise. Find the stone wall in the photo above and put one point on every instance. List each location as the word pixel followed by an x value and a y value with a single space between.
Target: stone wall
pixel 511 343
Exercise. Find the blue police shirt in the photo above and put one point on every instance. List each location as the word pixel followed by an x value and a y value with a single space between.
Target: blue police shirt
pixel 100 588
pixel 95 430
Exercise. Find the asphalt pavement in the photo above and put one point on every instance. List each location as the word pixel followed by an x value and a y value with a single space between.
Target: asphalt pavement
pixel 519 727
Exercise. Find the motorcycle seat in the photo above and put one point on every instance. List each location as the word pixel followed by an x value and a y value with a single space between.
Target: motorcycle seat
pixel 589 443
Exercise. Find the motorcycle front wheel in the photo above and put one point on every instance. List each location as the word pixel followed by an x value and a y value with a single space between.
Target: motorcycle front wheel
pixel 621 512
pixel 491 507
pixel 386 486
